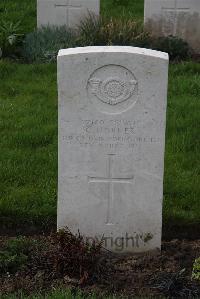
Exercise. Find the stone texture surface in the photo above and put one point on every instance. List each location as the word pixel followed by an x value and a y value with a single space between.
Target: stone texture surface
pixel 65 12
pixel 112 106
pixel 174 17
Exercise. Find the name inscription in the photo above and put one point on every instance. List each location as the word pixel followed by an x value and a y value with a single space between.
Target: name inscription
pixel 109 134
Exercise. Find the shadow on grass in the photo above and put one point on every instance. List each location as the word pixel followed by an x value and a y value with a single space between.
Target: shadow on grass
pixel 11 226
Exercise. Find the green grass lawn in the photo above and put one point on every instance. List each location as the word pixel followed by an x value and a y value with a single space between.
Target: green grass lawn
pixel 28 133
pixel 133 9
pixel 28 142
pixel 182 156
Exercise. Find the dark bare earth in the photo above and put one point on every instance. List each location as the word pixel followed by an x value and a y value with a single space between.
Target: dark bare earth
pixel 63 261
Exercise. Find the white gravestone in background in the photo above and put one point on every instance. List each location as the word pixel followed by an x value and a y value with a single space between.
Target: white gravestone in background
pixel 174 17
pixel 112 106
pixel 65 12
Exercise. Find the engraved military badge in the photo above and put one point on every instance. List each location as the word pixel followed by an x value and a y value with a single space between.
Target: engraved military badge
pixel 113 86
pixel 112 90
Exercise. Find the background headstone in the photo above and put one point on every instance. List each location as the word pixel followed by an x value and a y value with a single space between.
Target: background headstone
pixel 65 12
pixel 174 17
pixel 112 106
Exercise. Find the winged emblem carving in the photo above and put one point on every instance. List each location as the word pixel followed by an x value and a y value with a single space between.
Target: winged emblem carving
pixel 112 90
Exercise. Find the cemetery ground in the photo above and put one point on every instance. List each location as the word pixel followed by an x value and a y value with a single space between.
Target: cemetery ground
pixel 28 186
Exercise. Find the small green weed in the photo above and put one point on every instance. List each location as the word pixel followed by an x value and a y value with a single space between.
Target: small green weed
pixel 10 262
pixel 15 254
pixel 10 38
pixel 196 269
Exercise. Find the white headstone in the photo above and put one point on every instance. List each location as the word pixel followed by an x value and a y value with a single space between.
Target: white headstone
pixel 174 17
pixel 112 106
pixel 65 12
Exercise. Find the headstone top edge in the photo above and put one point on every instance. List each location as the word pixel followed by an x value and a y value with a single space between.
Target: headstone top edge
pixel 113 49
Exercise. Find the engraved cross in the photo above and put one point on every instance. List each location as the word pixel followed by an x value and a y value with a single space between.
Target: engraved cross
pixel 176 9
pixel 110 180
pixel 66 4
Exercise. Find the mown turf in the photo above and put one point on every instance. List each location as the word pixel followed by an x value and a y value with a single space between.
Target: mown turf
pixel 28 142
pixel 182 169
pixel 132 9
pixel 28 132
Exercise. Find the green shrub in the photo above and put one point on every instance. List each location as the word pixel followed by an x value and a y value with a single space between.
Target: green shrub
pixel 10 38
pixel 196 269
pixel 43 45
pixel 174 46
pixel 100 31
